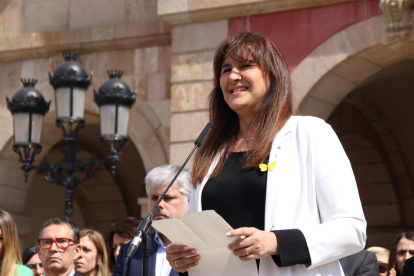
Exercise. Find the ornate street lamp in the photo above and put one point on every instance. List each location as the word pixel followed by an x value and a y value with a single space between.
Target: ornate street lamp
pixel 114 99
pixel 70 82
pixel 28 108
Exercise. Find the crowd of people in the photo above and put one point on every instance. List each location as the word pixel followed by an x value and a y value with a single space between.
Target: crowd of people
pixel 282 182
pixel 63 250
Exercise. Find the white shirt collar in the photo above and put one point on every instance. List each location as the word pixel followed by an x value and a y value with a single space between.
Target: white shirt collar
pixel 70 274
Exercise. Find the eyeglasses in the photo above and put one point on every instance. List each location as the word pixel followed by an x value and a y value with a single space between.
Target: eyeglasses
pixel 383 267
pixel 61 243
pixel 33 266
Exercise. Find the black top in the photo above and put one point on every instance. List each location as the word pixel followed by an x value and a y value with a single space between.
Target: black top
pixel 239 196
pixel 236 194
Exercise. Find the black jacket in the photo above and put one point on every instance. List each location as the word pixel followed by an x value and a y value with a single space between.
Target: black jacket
pixel 135 264
pixel 408 267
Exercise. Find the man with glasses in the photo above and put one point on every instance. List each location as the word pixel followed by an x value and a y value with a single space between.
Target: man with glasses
pixel 58 244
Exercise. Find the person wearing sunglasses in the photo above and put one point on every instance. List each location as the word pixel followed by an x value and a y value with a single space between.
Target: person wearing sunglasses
pixel 31 260
pixel 383 256
pixel 383 267
pixel 58 245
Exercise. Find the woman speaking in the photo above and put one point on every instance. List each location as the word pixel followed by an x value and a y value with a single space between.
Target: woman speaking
pixel 283 182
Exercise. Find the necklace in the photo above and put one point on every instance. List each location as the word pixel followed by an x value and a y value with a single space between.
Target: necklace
pixel 246 139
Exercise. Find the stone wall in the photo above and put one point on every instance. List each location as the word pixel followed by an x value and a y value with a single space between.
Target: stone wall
pixel 19 17
pixel 126 35
pixel 190 11
pixel 38 29
pixel 192 50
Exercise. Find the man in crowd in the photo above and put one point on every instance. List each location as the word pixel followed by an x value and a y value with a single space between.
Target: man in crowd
pixel 174 205
pixel 58 244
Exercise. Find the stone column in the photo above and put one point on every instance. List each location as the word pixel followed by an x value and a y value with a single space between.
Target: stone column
pixel 193 47
pixel 143 202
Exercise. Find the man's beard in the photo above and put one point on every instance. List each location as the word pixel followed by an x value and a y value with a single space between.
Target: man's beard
pixel 161 212
pixel 167 216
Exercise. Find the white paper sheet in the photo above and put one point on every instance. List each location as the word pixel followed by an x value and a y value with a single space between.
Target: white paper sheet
pixel 206 232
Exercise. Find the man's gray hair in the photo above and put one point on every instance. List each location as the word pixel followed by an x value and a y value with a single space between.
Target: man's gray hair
pixel 162 175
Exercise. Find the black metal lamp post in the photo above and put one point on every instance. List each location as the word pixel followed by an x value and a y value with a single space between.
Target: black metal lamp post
pixel 70 83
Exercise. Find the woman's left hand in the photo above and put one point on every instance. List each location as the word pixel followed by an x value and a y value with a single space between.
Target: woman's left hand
pixel 256 243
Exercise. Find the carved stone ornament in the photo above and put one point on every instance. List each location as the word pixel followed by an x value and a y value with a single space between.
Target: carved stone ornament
pixel 397 17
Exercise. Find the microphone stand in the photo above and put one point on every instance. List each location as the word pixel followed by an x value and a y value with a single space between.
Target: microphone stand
pixel 146 249
pixel 142 232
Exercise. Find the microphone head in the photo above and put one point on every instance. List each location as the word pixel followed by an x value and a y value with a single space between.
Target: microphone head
pixel 203 135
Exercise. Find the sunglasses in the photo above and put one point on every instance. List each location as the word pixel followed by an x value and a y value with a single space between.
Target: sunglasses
pixel 383 267
pixel 33 266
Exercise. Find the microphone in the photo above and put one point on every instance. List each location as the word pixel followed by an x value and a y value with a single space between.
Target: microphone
pixel 145 225
pixel 199 141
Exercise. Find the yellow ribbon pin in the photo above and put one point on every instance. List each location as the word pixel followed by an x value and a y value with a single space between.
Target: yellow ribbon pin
pixel 264 167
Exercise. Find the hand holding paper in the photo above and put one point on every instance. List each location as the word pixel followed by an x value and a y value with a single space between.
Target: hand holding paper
pixel 206 233
pixel 257 244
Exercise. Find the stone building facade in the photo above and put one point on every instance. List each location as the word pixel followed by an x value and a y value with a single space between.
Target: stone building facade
pixel 351 63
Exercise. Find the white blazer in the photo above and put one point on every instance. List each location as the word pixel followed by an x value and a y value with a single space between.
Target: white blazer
pixel 313 189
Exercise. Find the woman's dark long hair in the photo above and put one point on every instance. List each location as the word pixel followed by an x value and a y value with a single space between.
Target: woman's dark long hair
pixel 393 251
pixel 124 228
pixel 274 111
pixel 29 253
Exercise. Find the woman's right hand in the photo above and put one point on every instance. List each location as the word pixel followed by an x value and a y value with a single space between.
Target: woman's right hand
pixel 179 257
pixel 393 272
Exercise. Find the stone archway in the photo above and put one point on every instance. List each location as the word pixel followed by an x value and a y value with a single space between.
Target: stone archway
pixel 380 169
pixel 322 83
pixel 339 64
